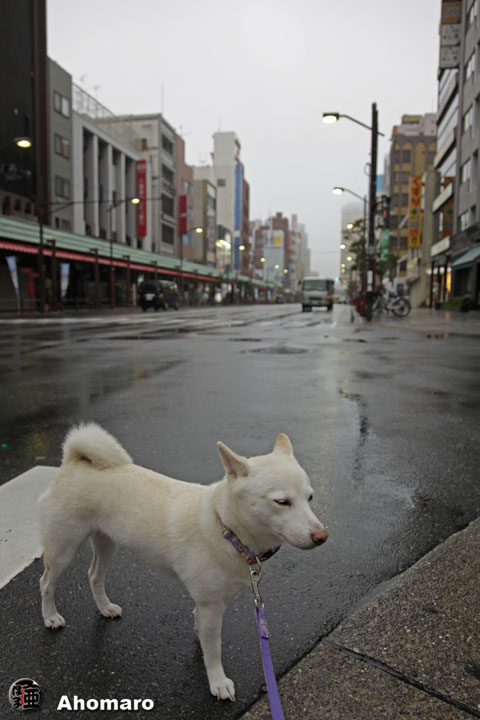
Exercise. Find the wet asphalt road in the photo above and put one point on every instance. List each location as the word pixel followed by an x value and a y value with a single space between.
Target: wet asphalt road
pixel 384 420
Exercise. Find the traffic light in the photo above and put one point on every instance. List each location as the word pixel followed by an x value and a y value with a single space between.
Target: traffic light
pixel 385 206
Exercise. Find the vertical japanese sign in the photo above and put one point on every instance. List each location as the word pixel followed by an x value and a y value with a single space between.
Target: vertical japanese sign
pixel 237 260
pixel 415 213
pixel 64 278
pixel 450 27
pixel 182 214
pixel 142 194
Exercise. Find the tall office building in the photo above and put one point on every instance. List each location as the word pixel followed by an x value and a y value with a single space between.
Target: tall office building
pixel 227 173
pixel 456 256
pixel 24 175
pixel 412 153
pixel 155 140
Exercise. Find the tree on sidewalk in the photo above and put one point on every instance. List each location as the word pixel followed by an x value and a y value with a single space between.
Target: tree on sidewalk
pixel 355 239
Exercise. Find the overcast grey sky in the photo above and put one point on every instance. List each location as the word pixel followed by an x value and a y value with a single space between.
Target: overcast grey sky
pixel 267 70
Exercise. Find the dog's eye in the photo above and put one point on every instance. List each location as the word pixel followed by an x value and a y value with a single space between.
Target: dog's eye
pixel 310 498
pixel 283 501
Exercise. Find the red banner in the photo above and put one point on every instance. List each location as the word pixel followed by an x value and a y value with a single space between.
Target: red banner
pixel 415 212
pixel 142 194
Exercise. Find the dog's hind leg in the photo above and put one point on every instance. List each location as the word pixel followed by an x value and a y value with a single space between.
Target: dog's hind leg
pixel 57 556
pixel 208 624
pixel 103 548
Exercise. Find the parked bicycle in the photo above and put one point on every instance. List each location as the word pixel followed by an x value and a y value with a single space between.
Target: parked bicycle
pixel 390 302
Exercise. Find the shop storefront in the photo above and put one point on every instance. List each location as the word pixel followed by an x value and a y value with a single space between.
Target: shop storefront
pixel 48 269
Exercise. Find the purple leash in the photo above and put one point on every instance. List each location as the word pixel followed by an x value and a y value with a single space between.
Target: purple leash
pixel 264 637
pixel 261 617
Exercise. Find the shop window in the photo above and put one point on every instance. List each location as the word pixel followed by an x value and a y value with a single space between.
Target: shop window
pixel 167 145
pixel 466 171
pixel 61 104
pixel 62 146
pixel 463 220
pixel 62 187
pixel 168 235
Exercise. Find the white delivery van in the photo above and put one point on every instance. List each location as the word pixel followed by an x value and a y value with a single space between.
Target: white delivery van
pixel 316 292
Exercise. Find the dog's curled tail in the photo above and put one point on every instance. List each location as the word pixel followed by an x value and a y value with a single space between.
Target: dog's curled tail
pixel 91 443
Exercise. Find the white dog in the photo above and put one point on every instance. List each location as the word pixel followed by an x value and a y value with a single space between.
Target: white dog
pixel 183 527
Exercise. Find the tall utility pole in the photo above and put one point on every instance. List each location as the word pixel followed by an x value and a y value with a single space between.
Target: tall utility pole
pixel 371 215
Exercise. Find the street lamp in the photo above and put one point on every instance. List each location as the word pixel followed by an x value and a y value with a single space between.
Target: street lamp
pixel 199 231
pixel 115 204
pixel 338 190
pixel 332 117
pixel 23 142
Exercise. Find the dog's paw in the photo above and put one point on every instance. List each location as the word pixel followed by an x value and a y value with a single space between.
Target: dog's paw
pixel 54 621
pixel 111 611
pixel 222 688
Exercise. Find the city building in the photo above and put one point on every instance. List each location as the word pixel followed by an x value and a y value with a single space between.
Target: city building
pixel 457 204
pixel 205 217
pixel 155 141
pixel 61 147
pixel 257 242
pixel 295 266
pixel 104 184
pixel 227 173
pixel 70 233
pixel 185 204
pixel 24 171
pixel 281 235
pixel 246 253
pixel 412 154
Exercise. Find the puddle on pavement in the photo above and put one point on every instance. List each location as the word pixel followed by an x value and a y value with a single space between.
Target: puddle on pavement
pixel 278 350
pixel 245 339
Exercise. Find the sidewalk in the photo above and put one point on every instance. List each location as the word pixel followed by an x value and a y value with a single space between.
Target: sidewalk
pixel 431 322
pixel 413 653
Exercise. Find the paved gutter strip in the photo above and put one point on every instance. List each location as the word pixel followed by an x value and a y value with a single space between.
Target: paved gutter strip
pixel 403 678
pixel 411 652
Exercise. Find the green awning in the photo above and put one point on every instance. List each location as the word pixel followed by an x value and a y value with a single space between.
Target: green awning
pixel 466 259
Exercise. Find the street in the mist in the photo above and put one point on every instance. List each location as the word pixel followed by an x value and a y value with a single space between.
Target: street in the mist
pixel 383 417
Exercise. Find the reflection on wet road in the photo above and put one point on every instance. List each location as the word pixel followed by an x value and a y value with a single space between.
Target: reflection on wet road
pixel 384 422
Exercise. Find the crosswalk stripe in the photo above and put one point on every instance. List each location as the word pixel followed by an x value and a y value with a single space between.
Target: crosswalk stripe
pixel 19 525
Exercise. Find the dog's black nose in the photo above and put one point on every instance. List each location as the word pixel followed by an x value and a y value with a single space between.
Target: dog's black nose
pixel 319 536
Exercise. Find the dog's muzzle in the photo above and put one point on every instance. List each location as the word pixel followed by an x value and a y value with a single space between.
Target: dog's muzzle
pixel 319 536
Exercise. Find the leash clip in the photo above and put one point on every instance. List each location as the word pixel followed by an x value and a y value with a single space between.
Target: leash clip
pixel 255 576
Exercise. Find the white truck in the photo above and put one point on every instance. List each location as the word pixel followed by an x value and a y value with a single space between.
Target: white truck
pixel 316 292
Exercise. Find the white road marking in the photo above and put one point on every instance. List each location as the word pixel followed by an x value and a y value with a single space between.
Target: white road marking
pixel 19 526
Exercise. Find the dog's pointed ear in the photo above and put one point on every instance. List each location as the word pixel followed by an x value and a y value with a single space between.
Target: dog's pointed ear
pixel 235 465
pixel 283 444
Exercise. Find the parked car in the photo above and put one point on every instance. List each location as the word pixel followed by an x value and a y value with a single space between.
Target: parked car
pixel 161 294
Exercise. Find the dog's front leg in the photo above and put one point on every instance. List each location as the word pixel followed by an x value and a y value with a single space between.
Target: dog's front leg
pixel 208 623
